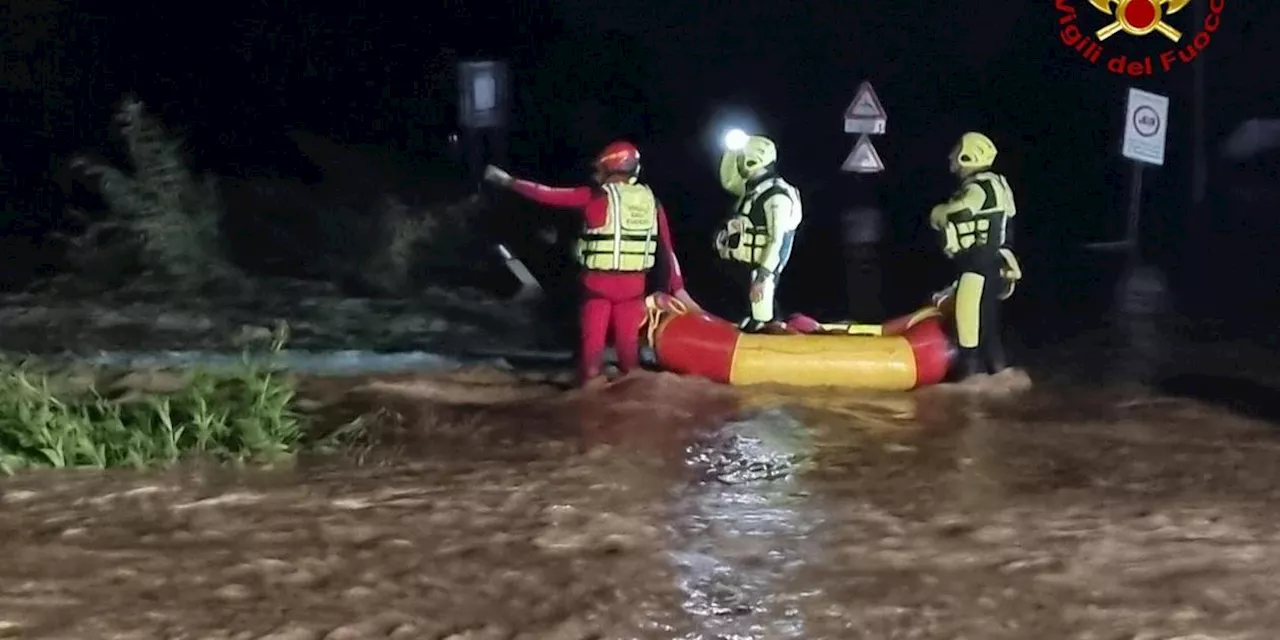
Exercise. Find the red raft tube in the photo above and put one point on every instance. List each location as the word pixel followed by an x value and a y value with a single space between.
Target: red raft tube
pixel 904 353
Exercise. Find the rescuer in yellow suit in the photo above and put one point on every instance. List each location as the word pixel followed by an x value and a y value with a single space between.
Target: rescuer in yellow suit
pixel 974 225
pixel 762 230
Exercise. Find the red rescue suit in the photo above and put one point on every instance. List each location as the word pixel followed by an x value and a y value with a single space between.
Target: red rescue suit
pixel 612 299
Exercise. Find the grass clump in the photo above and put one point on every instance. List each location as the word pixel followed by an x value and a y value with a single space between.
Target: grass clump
pixel 50 419
pixel 160 215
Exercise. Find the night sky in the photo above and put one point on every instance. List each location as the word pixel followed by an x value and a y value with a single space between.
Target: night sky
pixel 668 74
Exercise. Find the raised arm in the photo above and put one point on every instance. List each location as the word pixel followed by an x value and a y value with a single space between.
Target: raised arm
pixel 970 198
pixel 568 197
pixel 967 200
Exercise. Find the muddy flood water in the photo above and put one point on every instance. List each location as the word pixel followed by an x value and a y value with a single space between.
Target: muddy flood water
pixel 486 506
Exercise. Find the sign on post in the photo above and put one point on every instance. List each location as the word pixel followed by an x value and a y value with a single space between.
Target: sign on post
pixel 1146 127
pixel 865 114
pixel 864 158
pixel 866 117
pixel 482 94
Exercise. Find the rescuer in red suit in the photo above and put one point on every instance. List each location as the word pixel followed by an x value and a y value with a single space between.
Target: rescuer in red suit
pixel 624 230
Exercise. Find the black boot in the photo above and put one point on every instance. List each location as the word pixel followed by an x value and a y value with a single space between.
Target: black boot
pixel 994 358
pixel 751 325
pixel 969 364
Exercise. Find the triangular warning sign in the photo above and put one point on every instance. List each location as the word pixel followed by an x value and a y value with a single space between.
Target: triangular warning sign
pixel 864 158
pixel 866 105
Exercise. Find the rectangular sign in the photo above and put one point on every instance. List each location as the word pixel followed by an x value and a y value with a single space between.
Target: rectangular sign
pixel 873 127
pixel 483 94
pixel 1146 127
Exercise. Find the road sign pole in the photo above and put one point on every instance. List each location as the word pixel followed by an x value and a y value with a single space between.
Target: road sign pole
pixel 1133 237
pixel 862 227
pixel 1141 294
pixel 1145 133
pixel 862 221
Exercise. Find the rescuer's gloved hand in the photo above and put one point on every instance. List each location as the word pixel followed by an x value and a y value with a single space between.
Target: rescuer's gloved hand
pixel 759 275
pixel 941 296
pixel 495 176
pixel 1010 272
pixel 950 245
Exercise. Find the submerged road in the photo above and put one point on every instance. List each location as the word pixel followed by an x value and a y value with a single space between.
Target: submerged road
pixel 487 506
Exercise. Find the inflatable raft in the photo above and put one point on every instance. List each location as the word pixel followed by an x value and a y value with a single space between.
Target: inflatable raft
pixel 904 353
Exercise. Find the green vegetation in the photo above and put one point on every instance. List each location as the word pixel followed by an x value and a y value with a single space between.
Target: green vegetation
pixel 162 214
pixel 61 419
pixel 162 219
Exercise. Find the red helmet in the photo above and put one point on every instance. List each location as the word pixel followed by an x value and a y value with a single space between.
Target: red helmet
pixel 619 158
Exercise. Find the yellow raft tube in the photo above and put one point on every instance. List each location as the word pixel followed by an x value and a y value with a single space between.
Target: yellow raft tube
pixel 904 353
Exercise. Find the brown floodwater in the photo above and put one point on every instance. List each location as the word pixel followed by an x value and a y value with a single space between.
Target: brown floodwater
pixel 490 505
